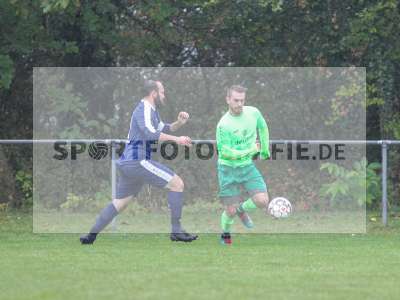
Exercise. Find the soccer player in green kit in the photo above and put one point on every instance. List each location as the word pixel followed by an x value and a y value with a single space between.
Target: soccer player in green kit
pixel 237 144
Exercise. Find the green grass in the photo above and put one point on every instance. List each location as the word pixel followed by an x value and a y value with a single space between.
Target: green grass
pixel 204 221
pixel 118 266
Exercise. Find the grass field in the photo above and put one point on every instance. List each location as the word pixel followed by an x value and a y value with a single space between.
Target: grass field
pixel 204 221
pixel 118 266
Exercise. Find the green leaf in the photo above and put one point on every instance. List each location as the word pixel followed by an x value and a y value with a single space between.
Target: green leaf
pixel 6 71
pixel 374 166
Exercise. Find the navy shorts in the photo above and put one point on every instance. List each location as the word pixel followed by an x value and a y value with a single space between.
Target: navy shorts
pixel 132 175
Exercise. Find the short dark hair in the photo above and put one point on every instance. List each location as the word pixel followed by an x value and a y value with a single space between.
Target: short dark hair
pixel 236 88
pixel 149 86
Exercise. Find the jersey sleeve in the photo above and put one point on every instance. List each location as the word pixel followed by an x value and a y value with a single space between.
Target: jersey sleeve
pixel 165 127
pixel 143 119
pixel 226 151
pixel 263 133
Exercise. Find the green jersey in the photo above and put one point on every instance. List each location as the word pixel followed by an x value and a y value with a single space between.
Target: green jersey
pixel 237 135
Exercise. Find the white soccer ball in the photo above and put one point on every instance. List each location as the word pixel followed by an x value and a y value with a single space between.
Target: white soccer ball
pixel 280 207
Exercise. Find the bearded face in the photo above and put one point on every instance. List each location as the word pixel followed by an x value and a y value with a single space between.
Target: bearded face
pixel 160 98
pixel 158 101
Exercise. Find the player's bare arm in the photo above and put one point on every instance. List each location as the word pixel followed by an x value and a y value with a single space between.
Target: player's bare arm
pixel 181 120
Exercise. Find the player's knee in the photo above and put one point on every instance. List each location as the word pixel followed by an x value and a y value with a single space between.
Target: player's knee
pixel 176 184
pixel 266 199
pixel 121 204
pixel 180 186
pixel 230 210
pixel 261 200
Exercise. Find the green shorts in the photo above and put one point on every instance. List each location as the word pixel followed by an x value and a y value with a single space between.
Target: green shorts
pixel 231 180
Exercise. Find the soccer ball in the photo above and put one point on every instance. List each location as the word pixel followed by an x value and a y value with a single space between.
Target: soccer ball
pixel 280 207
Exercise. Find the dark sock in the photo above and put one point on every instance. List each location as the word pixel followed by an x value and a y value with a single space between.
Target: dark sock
pixel 175 202
pixel 105 217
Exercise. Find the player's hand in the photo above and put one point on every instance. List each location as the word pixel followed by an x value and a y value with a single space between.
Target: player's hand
pixel 184 141
pixel 183 117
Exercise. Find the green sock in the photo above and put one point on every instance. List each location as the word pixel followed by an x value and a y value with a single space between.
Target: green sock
pixel 247 206
pixel 226 222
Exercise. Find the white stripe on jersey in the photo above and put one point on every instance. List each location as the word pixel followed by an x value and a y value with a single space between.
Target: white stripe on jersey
pixel 160 126
pixel 147 117
pixel 156 171
pixel 130 129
